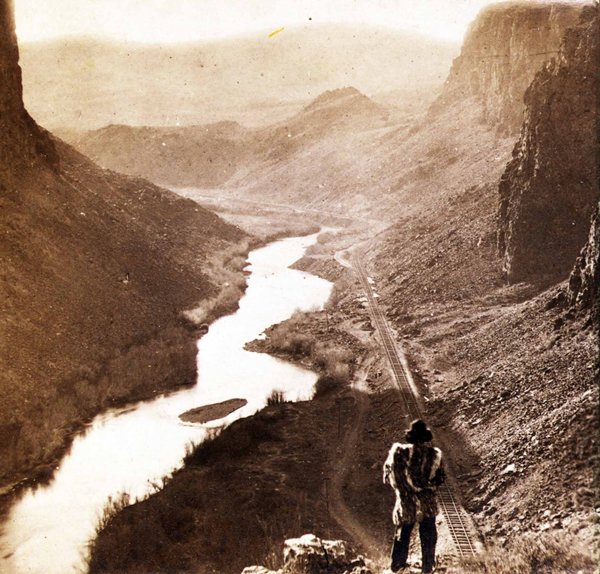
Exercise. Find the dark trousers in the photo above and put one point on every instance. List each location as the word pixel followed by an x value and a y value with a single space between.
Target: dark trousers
pixel 428 535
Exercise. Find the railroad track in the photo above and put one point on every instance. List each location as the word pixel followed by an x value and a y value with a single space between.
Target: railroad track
pixel 455 516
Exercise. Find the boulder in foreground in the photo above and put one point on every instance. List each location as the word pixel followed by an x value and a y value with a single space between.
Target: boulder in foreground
pixel 312 555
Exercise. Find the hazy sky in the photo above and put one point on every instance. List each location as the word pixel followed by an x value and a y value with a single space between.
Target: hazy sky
pixel 184 20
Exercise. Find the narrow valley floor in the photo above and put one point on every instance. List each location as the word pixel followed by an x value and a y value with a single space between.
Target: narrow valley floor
pixel 316 466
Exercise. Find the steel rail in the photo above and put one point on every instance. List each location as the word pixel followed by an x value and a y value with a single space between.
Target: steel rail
pixel 461 534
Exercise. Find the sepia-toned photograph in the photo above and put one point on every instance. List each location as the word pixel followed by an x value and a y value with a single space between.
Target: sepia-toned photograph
pixel 299 286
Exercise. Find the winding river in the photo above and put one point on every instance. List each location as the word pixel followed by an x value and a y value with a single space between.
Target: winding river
pixel 130 450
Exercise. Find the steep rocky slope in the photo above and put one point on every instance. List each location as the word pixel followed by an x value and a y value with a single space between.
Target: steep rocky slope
pixel 97 268
pixel 550 187
pixel 318 157
pixel 504 48
pixel 516 367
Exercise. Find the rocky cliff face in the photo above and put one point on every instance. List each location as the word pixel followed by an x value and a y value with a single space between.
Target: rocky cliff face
pixel 21 140
pixel 549 189
pixel 584 282
pixel 504 48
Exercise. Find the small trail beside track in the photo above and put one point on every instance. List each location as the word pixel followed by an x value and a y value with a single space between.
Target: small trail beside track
pixel 340 511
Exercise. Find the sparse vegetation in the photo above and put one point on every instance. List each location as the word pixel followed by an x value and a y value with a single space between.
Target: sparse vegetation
pixel 270 468
pixel 276 398
pixel 340 287
pixel 335 364
pixel 287 338
pixel 225 269
pixel 234 442
pixel 105 327
pixel 326 384
pixel 533 554
pixel 293 340
pixel 225 303
pixel 113 506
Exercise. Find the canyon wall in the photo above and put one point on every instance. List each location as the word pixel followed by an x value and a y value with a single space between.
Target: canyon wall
pixel 550 187
pixel 584 282
pixel 504 48
pixel 21 140
pixel 96 271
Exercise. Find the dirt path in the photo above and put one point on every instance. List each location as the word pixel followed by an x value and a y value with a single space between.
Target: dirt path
pixel 340 511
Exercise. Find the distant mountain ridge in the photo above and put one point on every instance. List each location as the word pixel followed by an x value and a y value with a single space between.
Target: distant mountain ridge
pixel 211 155
pixel 87 83
pixel 192 156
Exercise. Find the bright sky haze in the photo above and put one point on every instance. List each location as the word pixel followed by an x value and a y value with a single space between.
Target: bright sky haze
pixel 158 21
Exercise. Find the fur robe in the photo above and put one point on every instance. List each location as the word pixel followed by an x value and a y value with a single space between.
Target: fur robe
pixel 414 471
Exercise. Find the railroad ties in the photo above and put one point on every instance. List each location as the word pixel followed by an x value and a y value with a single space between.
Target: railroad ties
pixel 458 525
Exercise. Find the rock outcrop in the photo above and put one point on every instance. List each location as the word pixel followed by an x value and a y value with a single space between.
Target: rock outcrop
pixel 21 139
pixel 550 187
pixel 312 555
pixel 504 48
pixel 584 282
pixel 344 103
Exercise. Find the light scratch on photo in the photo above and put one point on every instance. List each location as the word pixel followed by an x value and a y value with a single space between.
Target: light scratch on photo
pixel 274 33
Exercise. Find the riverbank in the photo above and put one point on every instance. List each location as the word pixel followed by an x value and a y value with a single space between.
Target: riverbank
pixel 309 466
pixel 299 443
pixel 163 363
pixel 277 469
pixel 130 452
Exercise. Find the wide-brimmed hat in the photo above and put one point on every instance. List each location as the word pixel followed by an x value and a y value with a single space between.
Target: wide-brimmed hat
pixel 418 432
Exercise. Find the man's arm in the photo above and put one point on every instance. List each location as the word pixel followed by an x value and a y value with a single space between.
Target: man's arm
pixel 388 465
pixel 437 476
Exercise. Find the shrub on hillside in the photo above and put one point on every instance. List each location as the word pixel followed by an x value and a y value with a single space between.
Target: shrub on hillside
pixel 332 360
pixel 540 554
pixel 334 363
pixel 340 288
pixel 336 367
pixel 287 338
pixel 275 398
pixel 225 303
pixel 325 385
pixel 242 437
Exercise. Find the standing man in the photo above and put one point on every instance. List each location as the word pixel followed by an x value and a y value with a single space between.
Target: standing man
pixel 415 471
